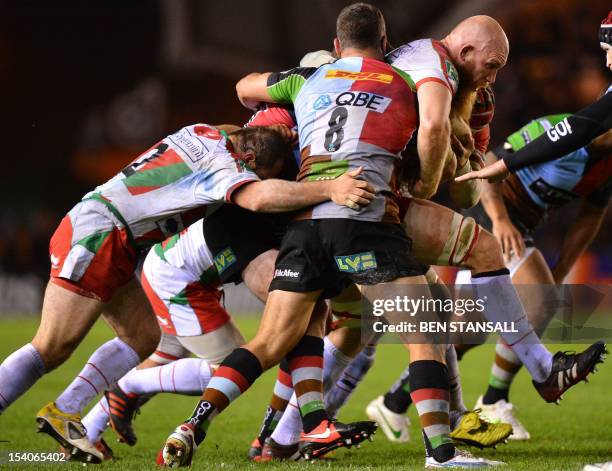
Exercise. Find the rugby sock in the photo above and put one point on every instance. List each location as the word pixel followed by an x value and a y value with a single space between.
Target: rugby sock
pixel 234 376
pixel 504 369
pixel 283 390
pixel 306 365
pixel 334 363
pixel 96 420
pixel 429 388
pixel 184 376
pixel 350 378
pixel 18 373
pixel 454 379
pixel 398 397
pixel 503 305
pixel 107 364
pixel 287 432
pixel 290 425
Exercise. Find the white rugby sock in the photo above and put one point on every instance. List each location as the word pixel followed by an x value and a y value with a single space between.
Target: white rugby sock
pixel 107 364
pixel 96 420
pixel 504 305
pixel 184 376
pixel 18 373
pixel 334 363
pixel 289 427
pixel 350 378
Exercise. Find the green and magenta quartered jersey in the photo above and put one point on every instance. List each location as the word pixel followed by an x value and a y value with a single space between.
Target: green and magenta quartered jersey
pixel 176 182
pixel 575 175
pixel 355 112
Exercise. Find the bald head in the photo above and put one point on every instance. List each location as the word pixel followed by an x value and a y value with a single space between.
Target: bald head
pixel 478 47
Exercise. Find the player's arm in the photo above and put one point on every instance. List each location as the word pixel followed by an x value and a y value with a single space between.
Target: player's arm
pixel 433 140
pixel 276 87
pixel 493 203
pixel 579 237
pixel 274 195
pixel 253 90
pixel 567 136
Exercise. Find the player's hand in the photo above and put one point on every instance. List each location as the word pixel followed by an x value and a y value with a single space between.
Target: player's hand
pixel 288 134
pixel 510 239
pixel 493 173
pixel 348 190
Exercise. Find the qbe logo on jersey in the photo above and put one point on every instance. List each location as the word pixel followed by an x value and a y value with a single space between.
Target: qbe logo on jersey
pixel 338 119
pixel 356 99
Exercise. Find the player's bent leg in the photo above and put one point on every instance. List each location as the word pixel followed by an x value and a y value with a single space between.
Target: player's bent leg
pixel 532 270
pixel 429 225
pixel 130 316
pixel 67 317
pixel 279 331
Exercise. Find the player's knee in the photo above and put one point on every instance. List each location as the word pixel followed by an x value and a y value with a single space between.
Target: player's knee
pixel 54 352
pixel 145 341
pixel 269 353
pixel 487 253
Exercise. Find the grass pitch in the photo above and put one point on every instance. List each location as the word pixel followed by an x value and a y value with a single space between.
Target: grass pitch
pixel 564 437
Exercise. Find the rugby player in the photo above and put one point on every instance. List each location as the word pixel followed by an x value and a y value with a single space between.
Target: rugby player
pixel 182 280
pixel 515 208
pixel 577 130
pixel 95 248
pixel 343 343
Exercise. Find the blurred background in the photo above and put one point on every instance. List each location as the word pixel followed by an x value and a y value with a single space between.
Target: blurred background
pixel 87 85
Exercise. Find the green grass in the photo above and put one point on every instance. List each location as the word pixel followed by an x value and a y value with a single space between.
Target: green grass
pixel 563 437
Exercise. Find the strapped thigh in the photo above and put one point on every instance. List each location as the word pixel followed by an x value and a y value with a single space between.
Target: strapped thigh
pixel 461 240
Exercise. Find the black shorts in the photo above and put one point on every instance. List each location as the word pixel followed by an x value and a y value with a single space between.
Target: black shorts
pixel 329 254
pixel 235 236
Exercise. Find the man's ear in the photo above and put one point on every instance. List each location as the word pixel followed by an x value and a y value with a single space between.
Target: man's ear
pixel 465 51
pixel 384 45
pixel 249 159
pixel 337 47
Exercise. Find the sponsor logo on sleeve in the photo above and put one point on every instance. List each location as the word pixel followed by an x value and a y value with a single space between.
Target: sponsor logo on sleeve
pixel 224 259
pixel 356 263
pixel 562 128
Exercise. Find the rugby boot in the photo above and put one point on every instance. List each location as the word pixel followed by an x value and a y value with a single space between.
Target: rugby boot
pixel 273 451
pixel 180 447
pixel 396 427
pixel 121 410
pixel 471 429
pixel 503 411
pixel 69 432
pixel 255 450
pixel 100 445
pixel 569 368
pixel 331 434
pixel 462 459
